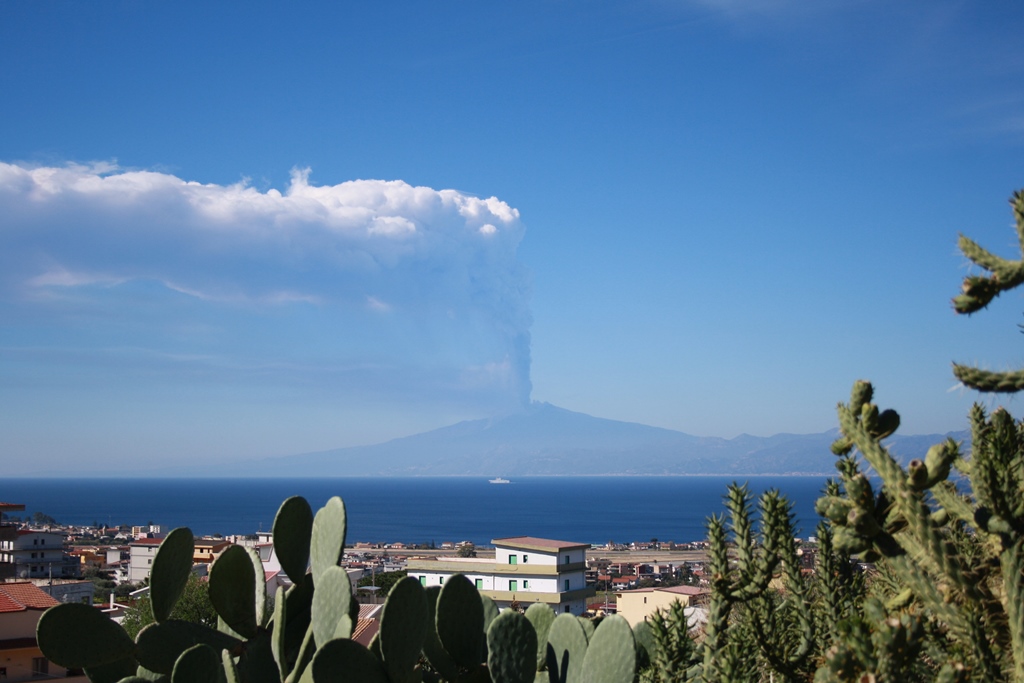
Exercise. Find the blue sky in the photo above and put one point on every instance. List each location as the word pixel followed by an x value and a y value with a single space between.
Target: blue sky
pixel 248 229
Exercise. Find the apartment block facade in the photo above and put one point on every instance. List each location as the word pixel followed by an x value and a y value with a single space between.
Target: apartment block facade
pixel 524 570
pixel 38 555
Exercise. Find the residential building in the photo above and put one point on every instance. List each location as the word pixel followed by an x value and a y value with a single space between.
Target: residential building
pixel 40 555
pixel 140 560
pixel 8 534
pixel 524 570
pixel 636 605
pixel 90 557
pixel 67 590
pixel 147 531
pixel 21 605
pixel 208 549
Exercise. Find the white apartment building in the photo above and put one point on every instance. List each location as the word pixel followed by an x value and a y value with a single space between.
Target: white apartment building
pixel 141 554
pixel 34 554
pixel 525 569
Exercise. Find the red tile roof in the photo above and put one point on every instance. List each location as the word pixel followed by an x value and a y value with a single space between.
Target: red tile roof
pixel 8 605
pixel 21 596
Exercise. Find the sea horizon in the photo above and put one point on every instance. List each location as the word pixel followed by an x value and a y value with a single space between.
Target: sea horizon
pixel 585 508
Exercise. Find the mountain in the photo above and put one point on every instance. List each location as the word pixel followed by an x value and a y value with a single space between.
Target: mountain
pixel 547 440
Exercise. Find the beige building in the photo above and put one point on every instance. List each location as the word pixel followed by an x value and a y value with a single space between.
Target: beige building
pixel 21 605
pixel 636 605
pixel 208 549
pixel 524 570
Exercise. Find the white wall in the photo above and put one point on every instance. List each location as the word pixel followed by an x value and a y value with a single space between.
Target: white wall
pixel 536 584
pixel 501 556
pixel 19 624
pixel 435 579
pixel 39 540
pixel 141 562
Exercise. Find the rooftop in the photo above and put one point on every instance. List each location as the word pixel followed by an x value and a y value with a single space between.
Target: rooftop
pixel 147 541
pixel 678 590
pixel 540 544
pixel 21 596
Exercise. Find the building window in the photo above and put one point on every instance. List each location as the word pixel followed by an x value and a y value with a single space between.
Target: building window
pixel 526 584
pixel 565 608
pixel 645 601
pixel 526 558
pixel 40 667
pixel 513 585
pixel 567 584
pixel 33 556
pixel 42 541
pixel 479 584
pixel 566 560
pixel 35 541
pixel 440 581
pixel 423 581
pixel 511 559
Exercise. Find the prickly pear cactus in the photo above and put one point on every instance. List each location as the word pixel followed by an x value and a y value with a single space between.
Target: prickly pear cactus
pixel 611 653
pixel 512 648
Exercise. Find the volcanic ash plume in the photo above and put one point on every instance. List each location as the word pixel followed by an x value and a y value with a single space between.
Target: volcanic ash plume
pixel 373 287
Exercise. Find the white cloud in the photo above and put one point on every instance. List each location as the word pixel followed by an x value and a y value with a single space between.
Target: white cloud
pixel 441 263
pixel 62 277
pixel 377 305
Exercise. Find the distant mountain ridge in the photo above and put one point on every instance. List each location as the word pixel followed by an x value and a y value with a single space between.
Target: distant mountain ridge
pixel 545 440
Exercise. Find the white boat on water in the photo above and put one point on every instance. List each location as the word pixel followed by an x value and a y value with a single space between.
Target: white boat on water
pixel 499 480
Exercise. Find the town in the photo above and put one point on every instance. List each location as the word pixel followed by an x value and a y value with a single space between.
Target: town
pixel 44 563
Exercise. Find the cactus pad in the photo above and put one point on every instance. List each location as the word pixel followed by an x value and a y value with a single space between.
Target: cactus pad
pixel 403 628
pixel 233 590
pixel 293 526
pixel 541 616
pixel 327 544
pixel 169 574
pixel 331 604
pixel 512 649
pixel 77 636
pixel 460 621
pixel 566 649
pixel 611 655
pixel 198 664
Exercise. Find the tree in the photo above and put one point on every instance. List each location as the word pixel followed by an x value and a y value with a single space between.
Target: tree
pixel 194 605
pixel 43 520
pixel 466 550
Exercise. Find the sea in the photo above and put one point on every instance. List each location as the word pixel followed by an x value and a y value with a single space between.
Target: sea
pixel 418 509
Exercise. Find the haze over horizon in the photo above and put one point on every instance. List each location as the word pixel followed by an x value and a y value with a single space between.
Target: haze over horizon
pixel 244 231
